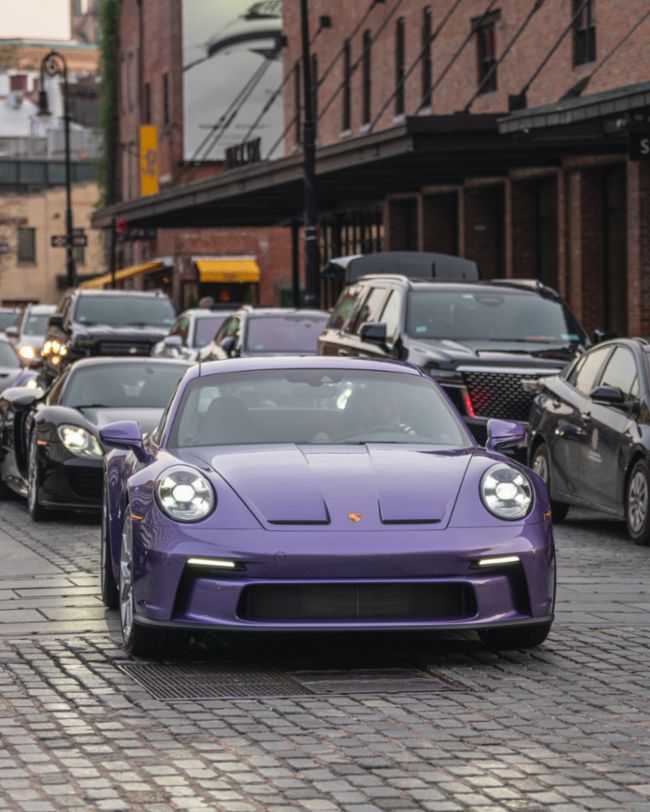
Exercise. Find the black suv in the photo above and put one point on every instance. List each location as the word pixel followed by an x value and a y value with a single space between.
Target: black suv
pixel 480 340
pixel 107 322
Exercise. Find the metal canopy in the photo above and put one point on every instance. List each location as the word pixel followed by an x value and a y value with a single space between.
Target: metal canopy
pixel 421 151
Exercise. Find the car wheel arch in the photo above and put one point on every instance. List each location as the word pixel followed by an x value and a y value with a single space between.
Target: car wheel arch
pixel 636 456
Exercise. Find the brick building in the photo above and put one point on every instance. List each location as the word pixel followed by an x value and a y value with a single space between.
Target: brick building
pixel 502 131
pixel 150 91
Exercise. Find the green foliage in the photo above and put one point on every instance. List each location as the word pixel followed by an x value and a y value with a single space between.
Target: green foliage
pixel 109 18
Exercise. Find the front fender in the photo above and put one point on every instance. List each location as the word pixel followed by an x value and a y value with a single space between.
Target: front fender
pixel 115 479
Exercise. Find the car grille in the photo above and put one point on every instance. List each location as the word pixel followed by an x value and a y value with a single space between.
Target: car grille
pixel 86 483
pixel 124 348
pixel 355 602
pixel 499 394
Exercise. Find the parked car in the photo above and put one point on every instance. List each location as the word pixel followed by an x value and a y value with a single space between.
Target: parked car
pixel 287 494
pixel 8 317
pixel 191 331
pixel 106 322
pixel 49 446
pixel 480 340
pixel 266 331
pixel 590 436
pixel 28 335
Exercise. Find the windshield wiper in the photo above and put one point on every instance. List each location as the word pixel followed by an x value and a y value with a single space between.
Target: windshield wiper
pixel 92 406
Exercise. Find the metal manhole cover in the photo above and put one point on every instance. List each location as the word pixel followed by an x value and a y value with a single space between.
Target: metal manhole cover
pixel 374 681
pixel 182 681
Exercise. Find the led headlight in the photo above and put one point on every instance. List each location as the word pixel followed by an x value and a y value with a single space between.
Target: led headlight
pixel 80 441
pixel 506 492
pixel 27 352
pixel 185 494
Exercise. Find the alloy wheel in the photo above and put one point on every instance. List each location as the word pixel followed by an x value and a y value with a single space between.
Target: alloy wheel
pixel 127 601
pixel 540 467
pixel 637 501
pixel 32 477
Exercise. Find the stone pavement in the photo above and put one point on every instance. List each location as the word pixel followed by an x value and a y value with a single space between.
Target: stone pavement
pixel 373 723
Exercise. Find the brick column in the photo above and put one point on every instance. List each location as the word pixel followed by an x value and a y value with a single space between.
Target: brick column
pixel 638 247
pixel 439 223
pixel 521 230
pixel 483 229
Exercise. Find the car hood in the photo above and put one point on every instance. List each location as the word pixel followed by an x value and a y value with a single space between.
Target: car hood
pixel 286 485
pixel 147 419
pixel 101 332
pixel 475 352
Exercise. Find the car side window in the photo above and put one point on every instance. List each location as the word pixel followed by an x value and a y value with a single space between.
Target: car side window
pixel 391 316
pixel 183 328
pixel 621 371
pixel 346 308
pixel 371 308
pixel 588 371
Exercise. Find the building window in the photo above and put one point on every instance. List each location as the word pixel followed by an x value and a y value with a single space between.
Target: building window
pixel 297 104
pixel 147 103
pixel 584 32
pixel 347 96
pixel 399 67
pixel 427 67
pixel 165 87
pixel 27 245
pixel 366 77
pixel 486 52
pixel 314 92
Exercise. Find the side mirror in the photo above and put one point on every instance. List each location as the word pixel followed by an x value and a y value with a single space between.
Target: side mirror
pixel 11 332
pixel 228 344
pixel 608 396
pixel 602 335
pixel 504 434
pixel 56 320
pixel 124 434
pixel 374 332
pixel 173 342
pixel 22 397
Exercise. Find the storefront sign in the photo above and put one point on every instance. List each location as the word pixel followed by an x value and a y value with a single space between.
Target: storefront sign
pixel 640 146
pixel 243 154
pixel 149 168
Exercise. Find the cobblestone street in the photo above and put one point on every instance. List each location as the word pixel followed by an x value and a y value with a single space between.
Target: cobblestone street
pixel 379 723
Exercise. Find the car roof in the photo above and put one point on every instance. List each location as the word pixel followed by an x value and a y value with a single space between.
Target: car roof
pixel 204 312
pixel 523 286
pixel 283 311
pixel 106 360
pixel 304 362
pixel 40 308
pixel 149 294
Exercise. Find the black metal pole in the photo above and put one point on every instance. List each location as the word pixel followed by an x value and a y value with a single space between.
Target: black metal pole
pixel 71 269
pixel 113 253
pixel 295 264
pixel 312 287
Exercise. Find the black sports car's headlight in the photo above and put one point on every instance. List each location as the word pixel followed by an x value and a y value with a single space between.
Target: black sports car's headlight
pixel 506 492
pixel 185 495
pixel 80 441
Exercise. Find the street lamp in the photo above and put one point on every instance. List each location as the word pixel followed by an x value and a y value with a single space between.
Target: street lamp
pixel 53 64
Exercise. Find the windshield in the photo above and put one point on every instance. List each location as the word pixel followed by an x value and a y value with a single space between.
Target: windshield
pixel 206 328
pixel 490 316
pixel 36 325
pixel 8 357
pixel 7 320
pixel 125 311
pixel 118 385
pixel 284 333
pixel 314 406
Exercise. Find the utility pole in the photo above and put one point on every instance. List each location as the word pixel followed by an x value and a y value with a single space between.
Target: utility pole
pixel 312 293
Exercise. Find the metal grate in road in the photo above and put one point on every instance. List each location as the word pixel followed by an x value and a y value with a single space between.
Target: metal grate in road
pixel 182 681
pixel 175 682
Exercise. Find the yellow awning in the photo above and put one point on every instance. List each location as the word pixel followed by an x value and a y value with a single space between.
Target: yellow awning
pixel 124 273
pixel 228 270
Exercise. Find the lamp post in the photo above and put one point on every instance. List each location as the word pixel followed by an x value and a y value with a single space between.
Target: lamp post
pixel 312 292
pixel 54 64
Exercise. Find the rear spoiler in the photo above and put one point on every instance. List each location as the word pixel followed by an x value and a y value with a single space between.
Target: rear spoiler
pixel 414 264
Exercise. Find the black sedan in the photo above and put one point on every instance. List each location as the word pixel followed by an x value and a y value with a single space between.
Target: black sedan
pixel 590 434
pixel 49 446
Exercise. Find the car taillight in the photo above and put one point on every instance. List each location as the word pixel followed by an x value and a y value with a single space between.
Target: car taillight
pixel 469 406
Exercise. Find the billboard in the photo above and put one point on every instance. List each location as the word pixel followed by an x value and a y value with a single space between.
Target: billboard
pixel 232 66
pixel 36 20
pixel 149 170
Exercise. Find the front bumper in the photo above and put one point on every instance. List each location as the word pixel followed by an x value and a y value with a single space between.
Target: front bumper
pixel 74 483
pixel 362 581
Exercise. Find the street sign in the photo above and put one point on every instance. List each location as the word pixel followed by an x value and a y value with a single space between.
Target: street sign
pixel 79 240
pixel 4 247
pixel 640 146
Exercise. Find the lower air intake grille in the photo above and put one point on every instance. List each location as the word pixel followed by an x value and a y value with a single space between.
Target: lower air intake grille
pixel 87 483
pixel 499 394
pixel 354 602
pixel 124 348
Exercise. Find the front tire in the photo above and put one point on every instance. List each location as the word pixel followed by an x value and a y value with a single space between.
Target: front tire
pixel 637 500
pixel 141 641
pixel 36 511
pixel 541 465
pixel 110 595
pixel 516 637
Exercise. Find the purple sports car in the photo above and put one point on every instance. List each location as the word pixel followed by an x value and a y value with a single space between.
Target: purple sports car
pixel 321 494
